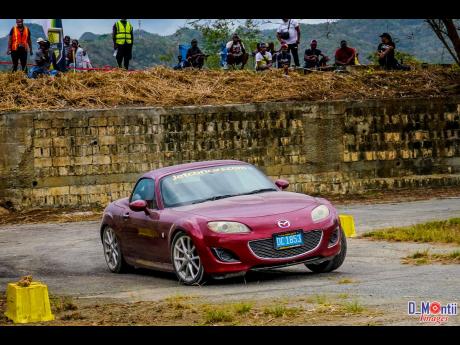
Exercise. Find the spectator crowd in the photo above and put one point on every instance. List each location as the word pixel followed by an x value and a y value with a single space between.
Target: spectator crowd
pixel 266 56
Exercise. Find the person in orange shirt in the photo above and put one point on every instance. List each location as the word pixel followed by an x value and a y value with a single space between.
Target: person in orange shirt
pixel 19 42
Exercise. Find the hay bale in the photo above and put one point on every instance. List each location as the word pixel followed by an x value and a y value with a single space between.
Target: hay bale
pixel 161 86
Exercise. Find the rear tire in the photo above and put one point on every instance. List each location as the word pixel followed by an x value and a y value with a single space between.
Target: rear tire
pixel 186 261
pixel 334 263
pixel 112 251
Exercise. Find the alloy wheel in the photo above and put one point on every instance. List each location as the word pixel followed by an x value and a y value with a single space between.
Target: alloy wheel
pixel 112 251
pixel 186 260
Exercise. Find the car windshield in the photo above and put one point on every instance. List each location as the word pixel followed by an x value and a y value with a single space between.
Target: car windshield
pixel 213 183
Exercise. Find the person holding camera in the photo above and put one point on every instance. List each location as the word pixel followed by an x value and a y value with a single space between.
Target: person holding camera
pixel 289 32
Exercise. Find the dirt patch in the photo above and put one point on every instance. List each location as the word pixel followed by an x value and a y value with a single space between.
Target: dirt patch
pixel 185 310
pixel 64 215
pixel 160 86
pixel 401 195
pixel 51 216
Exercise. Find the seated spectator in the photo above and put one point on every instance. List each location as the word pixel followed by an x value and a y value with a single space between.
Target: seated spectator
pixel 195 56
pixel 236 52
pixel 78 57
pixel 43 59
pixel 263 58
pixel 345 55
pixel 312 56
pixel 386 52
pixel 283 58
pixel 181 64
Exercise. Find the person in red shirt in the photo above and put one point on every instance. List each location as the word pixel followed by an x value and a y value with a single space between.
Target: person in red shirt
pixel 345 55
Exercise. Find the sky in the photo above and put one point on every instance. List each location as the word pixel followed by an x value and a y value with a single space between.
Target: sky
pixel 76 27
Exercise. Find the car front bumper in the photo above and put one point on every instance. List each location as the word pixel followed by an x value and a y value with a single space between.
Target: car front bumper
pixel 248 259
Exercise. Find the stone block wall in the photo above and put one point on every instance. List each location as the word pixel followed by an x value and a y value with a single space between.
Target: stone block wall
pixel 90 157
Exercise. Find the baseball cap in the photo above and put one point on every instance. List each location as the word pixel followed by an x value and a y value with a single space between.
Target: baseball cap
pixel 386 34
pixel 263 45
pixel 40 39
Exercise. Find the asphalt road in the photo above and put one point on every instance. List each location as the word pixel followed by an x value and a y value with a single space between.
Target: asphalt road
pixel 68 257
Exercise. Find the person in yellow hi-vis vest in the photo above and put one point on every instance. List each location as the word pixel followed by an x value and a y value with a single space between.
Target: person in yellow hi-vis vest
pixel 123 39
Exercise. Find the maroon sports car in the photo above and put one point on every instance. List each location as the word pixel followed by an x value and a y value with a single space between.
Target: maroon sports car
pixel 219 219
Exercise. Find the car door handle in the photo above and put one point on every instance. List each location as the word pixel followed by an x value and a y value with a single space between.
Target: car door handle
pixel 126 216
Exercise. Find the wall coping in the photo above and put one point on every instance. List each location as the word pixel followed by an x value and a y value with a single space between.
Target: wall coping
pixel 245 107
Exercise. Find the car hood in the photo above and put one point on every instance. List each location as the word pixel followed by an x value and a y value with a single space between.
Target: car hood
pixel 255 205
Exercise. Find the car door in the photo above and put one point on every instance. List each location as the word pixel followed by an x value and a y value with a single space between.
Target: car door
pixel 142 227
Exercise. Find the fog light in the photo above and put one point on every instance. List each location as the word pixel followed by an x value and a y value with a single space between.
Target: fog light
pixel 334 237
pixel 225 255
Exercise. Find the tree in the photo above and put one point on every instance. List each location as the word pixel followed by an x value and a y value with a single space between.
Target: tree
pixel 447 32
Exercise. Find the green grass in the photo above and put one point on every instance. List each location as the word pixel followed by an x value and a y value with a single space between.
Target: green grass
pixel 280 311
pixel 353 307
pixel 242 308
pixel 424 257
pixel 218 315
pixel 445 231
pixel 62 303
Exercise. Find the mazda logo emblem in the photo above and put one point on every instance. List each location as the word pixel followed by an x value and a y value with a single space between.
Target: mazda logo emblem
pixel 284 224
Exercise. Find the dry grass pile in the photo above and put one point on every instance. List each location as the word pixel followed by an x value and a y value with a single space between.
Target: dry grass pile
pixel 161 86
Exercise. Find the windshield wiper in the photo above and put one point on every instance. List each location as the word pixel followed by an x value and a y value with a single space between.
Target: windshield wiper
pixel 260 191
pixel 217 197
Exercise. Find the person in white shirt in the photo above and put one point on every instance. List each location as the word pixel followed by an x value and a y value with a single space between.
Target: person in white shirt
pixel 263 58
pixel 79 57
pixel 236 52
pixel 289 33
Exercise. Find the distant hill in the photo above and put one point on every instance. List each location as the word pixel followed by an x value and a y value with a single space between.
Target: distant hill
pixel 412 36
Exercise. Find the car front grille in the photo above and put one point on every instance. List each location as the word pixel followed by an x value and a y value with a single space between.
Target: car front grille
pixel 265 249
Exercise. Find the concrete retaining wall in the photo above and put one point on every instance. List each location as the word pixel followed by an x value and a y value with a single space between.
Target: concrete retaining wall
pixel 89 157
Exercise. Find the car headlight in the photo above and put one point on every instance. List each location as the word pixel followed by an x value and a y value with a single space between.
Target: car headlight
pixel 319 213
pixel 228 227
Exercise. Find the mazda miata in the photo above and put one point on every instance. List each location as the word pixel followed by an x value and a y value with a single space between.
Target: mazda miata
pixel 219 219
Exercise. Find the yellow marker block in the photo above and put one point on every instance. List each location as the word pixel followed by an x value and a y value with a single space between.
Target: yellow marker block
pixel 348 225
pixel 28 304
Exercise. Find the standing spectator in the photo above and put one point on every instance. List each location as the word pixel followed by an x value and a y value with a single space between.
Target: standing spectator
pixel 289 32
pixel 19 42
pixel 67 48
pixel 123 40
pixel 312 56
pixel 386 52
pixel 236 52
pixel 194 55
pixel 263 58
pixel 345 55
pixel 283 59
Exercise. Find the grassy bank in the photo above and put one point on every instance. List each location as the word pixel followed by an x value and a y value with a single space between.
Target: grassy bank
pixel 444 231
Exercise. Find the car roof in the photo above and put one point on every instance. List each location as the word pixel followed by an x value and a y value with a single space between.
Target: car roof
pixel 159 173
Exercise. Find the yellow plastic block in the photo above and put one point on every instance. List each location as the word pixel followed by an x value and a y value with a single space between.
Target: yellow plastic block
pixel 348 225
pixel 28 304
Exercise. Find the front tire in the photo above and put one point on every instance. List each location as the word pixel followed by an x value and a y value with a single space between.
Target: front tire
pixel 186 261
pixel 112 251
pixel 334 263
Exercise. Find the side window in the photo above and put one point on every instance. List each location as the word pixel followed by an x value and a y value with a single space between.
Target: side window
pixel 145 190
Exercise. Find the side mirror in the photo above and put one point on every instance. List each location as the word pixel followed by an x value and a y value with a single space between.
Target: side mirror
pixel 138 205
pixel 283 184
